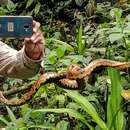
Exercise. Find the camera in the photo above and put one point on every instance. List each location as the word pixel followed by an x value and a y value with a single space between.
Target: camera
pixel 16 26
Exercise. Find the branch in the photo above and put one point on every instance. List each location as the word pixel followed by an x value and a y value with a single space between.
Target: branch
pixel 16 90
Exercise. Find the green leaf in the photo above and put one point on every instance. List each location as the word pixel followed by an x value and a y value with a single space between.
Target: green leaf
pixel 21 123
pixel 37 8
pixel 11 114
pixel 12 126
pixel 71 113
pixel 79 2
pixel 60 51
pixel 61 99
pixel 24 110
pixel 101 50
pixel 84 103
pixel 66 45
pixel 114 101
pixel 62 125
pixel 3 120
pixel 80 39
pixel 23 128
pixel 77 58
pixel 52 59
pixel 44 127
pixel 115 36
pixel 11 7
pixel 116 13
pixel 128 17
pixel 73 106
pixel 66 62
pixel 29 2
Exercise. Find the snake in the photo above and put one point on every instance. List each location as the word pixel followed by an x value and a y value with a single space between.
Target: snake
pixel 72 78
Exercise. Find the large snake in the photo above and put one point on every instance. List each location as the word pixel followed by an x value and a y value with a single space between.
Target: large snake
pixel 73 78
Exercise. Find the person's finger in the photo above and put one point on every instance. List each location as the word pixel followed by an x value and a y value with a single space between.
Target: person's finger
pixel 35 35
pixel 34 23
pixel 36 26
pixel 38 40
pixel 26 39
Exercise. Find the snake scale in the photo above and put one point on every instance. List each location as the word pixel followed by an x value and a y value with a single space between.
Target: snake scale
pixel 73 78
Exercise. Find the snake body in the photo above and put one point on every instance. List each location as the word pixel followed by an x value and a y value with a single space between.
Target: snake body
pixel 73 78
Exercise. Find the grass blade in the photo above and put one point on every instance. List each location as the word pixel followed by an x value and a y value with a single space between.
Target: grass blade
pixel 44 127
pixel 11 114
pixel 79 38
pixel 86 105
pixel 3 120
pixel 114 101
pixel 71 113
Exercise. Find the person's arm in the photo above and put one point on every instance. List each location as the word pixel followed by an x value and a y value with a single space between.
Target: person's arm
pixel 26 62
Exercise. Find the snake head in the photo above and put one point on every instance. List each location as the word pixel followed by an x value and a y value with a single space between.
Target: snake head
pixel 74 71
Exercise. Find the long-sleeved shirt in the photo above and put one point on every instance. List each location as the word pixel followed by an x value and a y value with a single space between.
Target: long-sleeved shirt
pixel 16 64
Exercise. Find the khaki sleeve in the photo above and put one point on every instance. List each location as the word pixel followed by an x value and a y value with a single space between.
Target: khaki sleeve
pixel 16 64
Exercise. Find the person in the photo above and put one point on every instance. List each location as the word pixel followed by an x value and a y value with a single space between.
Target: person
pixel 26 62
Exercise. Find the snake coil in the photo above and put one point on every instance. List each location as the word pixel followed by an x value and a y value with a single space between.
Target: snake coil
pixel 73 78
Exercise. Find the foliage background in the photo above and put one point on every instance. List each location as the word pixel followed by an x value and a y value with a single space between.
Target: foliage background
pixel 76 31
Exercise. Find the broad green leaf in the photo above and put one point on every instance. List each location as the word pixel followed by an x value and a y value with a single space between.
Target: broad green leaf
pixel 116 13
pixel 52 57
pixel 97 50
pixel 66 45
pixel 76 58
pixel 115 120
pixel 66 62
pixel 24 110
pixel 73 106
pixel 60 51
pixel 21 123
pixel 86 105
pixel 115 36
pixel 71 113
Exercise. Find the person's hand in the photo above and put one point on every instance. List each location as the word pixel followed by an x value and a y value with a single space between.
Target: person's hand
pixel 35 44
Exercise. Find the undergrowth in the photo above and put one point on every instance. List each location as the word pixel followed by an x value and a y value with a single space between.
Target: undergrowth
pixel 76 32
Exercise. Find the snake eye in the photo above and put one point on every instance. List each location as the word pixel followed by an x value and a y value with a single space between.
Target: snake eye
pixel 81 70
